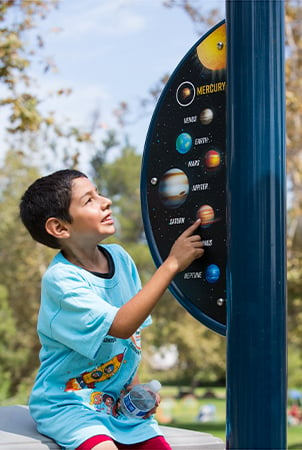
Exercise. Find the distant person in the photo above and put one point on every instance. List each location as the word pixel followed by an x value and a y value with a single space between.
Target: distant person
pixel 92 310
pixel 206 413
pixel 294 415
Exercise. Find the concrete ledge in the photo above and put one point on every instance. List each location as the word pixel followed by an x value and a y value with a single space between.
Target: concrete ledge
pixel 18 432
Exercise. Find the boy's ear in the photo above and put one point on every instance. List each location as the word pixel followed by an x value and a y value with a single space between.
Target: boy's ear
pixel 57 228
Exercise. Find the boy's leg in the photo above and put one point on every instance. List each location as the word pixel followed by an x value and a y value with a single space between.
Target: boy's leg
pixel 103 442
pixel 107 445
pixel 99 442
pixel 156 443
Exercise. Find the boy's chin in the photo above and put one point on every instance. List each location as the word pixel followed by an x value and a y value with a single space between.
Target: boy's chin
pixel 110 232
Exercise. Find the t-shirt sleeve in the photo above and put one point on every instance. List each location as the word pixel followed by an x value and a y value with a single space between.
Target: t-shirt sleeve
pixel 80 319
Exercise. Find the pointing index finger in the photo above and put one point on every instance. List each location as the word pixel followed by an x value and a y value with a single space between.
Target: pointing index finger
pixel 190 230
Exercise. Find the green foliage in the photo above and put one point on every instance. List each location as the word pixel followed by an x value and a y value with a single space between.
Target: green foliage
pixel 22 263
pixel 120 181
pixel 294 366
pixel 8 357
pixel 183 413
pixel 26 122
pixel 294 169
pixel 15 60
pixel 201 352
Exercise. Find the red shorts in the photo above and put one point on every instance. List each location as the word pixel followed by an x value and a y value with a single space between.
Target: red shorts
pixel 156 443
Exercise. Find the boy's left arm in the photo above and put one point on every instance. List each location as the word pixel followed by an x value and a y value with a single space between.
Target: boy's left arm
pixel 134 382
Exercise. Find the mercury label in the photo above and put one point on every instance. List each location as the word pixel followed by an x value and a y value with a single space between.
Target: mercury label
pixel 211 88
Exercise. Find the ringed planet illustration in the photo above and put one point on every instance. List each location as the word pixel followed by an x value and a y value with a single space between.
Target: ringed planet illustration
pixel 183 143
pixel 212 159
pixel 206 116
pixel 173 188
pixel 212 273
pixel 211 51
pixel 206 215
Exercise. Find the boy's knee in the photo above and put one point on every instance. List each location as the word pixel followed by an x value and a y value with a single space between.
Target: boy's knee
pixel 106 445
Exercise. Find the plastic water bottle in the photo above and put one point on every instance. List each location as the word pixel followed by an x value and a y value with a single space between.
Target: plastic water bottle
pixel 140 399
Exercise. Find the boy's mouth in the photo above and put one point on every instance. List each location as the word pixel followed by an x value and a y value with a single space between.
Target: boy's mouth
pixel 108 219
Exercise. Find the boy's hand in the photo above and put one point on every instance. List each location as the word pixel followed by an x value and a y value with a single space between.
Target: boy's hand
pixel 186 248
pixel 153 410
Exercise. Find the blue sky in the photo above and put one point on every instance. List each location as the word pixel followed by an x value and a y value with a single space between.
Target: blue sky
pixel 109 51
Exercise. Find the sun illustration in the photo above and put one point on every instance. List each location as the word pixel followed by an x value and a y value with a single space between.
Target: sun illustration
pixel 211 51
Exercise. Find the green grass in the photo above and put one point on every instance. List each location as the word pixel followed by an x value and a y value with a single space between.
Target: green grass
pixel 183 413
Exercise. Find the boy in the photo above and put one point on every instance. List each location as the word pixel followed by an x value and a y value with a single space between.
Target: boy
pixel 92 310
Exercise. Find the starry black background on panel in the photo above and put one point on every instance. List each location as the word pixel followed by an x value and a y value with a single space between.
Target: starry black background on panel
pixel 188 133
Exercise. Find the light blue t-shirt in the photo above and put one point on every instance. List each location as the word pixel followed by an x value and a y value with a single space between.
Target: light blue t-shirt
pixel 83 369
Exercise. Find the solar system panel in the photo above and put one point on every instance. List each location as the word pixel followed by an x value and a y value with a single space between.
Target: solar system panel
pixel 184 175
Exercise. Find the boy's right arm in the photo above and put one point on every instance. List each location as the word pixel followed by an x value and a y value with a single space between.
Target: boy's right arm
pixel 132 314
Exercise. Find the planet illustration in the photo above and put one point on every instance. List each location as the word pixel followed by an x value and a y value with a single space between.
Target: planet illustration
pixel 211 51
pixel 206 116
pixel 206 215
pixel 183 143
pixel 212 159
pixel 173 188
pixel 212 273
pixel 185 93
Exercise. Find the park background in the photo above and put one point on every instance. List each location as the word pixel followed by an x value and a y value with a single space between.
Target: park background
pixel 79 83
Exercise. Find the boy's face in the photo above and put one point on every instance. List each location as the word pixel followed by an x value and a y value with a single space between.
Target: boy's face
pixel 90 212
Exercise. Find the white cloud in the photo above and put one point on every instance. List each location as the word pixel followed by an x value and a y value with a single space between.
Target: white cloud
pixel 76 108
pixel 103 18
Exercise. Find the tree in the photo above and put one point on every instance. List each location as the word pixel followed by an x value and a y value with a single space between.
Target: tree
pixel 22 262
pixel 16 20
pixel 20 102
pixel 294 169
pixel 294 100
pixel 9 355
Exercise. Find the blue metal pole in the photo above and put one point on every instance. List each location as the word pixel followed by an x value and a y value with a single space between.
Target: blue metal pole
pixel 256 328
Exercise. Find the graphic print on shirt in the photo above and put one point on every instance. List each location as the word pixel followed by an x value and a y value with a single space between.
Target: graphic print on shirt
pixel 136 341
pixel 96 399
pixel 103 402
pixel 100 373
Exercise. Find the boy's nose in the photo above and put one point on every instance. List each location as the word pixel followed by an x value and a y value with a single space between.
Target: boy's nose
pixel 105 203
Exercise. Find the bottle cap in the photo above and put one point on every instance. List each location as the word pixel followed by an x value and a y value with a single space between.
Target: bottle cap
pixel 155 385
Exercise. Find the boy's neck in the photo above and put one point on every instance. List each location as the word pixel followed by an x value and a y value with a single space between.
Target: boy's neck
pixel 94 261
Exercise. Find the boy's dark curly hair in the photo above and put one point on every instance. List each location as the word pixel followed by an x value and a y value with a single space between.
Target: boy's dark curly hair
pixel 49 196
